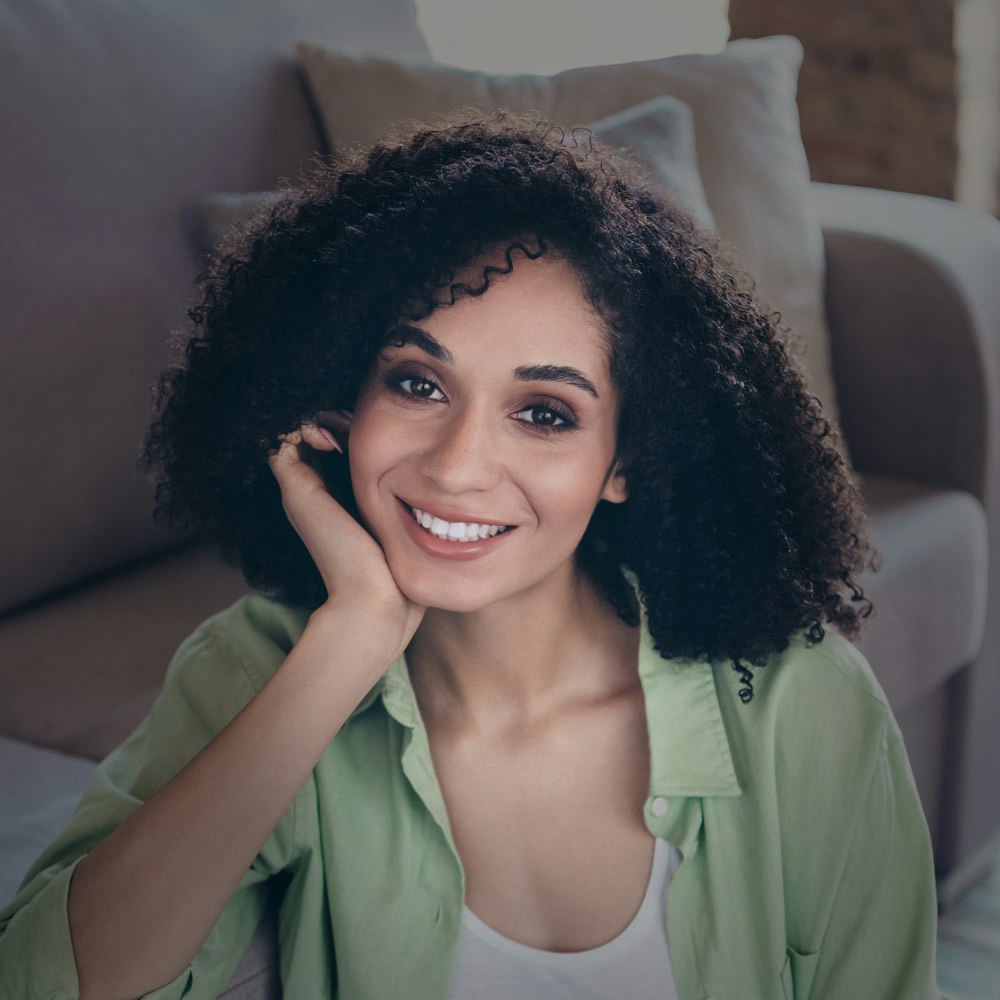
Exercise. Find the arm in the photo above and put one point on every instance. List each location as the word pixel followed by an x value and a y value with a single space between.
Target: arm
pixel 880 937
pixel 159 879
pixel 203 686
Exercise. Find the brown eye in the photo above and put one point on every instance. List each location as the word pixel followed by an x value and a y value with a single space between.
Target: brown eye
pixel 420 382
pixel 397 383
pixel 551 416
pixel 555 411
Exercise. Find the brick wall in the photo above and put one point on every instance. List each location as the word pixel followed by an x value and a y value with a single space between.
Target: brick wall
pixel 878 89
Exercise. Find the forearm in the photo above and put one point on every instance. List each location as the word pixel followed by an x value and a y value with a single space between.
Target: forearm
pixel 142 902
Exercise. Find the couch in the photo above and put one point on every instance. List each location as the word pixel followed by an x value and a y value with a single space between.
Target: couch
pixel 119 118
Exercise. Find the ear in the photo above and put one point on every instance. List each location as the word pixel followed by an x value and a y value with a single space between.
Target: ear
pixel 615 488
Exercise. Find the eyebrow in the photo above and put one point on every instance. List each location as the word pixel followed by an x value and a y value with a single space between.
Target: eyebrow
pixel 404 333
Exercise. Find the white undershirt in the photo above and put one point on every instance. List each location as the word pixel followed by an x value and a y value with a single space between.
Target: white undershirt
pixel 635 965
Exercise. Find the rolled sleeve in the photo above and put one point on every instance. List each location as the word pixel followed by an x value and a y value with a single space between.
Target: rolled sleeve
pixel 36 953
pixel 204 689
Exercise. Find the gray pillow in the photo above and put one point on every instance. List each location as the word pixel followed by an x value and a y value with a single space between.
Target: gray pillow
pixel 658 133
pixel 218 214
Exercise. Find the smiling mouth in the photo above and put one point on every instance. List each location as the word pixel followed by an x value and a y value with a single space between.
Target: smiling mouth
pixel 443 530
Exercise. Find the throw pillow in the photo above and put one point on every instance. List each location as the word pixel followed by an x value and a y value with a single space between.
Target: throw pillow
pixel 659 134
pixel 217 214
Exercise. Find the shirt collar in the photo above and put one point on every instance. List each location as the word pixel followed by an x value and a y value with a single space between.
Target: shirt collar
pixel 689 747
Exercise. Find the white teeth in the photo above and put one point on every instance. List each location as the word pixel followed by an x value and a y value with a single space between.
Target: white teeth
pixel 457 531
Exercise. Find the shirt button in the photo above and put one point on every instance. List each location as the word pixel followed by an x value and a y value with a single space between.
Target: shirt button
pixel 659 806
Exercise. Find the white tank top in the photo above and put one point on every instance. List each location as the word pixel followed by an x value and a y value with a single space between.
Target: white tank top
pixel 634 965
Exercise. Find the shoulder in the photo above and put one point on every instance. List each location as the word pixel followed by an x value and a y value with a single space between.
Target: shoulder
pixel 817 709
pixel 808 679
pixel 259 631
pixel 232 654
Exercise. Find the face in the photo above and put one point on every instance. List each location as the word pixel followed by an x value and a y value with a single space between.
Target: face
pixel 461 437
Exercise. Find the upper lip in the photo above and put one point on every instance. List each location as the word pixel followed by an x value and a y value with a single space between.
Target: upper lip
pixel 452 515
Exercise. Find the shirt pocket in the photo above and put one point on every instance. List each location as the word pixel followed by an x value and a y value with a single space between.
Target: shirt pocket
pixel 798 973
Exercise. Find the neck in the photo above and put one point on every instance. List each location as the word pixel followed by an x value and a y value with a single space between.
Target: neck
pixel 559 645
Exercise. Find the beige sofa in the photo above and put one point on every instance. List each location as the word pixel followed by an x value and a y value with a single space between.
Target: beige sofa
pixel 119 117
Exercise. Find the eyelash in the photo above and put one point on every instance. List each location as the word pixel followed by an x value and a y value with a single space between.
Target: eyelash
pixel 395 381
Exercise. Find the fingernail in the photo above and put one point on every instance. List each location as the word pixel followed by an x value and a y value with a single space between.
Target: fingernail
pixel 330 438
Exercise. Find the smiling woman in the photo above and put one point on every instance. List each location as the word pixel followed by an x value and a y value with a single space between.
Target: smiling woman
pixel 527 481
pixel 499 410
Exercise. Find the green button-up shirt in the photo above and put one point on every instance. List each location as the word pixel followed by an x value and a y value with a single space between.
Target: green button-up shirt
pixel 807 868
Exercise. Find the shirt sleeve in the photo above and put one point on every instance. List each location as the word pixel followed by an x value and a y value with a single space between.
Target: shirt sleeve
pixel 205 687
pixel 880 939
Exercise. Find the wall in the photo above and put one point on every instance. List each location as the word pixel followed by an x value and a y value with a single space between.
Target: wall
pixel 878 89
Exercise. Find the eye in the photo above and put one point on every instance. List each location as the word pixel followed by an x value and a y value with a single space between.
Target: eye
pixel 417 392
pixel 419 380
pixel 553 412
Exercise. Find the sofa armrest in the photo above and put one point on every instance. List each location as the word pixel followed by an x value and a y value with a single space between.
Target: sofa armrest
pixel 913 304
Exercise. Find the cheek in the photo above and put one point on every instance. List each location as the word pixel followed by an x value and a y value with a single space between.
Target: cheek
pixel 567 490
pixel 371 450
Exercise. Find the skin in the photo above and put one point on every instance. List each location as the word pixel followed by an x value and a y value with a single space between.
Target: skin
pixel 519 634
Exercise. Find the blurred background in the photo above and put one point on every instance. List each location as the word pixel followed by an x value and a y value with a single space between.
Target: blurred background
pixel 892 94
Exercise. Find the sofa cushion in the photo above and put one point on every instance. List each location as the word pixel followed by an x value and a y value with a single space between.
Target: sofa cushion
pixel 80 671
pixel 930 594
pixel 749 149
pixel 116 115
pixel 39 790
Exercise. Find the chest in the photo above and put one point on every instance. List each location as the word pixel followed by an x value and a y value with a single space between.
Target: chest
pixel 548 824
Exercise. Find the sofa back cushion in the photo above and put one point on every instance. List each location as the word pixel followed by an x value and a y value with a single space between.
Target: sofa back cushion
pixel 658 134
pixel 116 118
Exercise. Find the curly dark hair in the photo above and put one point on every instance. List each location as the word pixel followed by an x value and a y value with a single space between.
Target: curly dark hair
pixel 742 524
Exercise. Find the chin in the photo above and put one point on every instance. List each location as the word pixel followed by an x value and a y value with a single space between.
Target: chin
pixel 442 594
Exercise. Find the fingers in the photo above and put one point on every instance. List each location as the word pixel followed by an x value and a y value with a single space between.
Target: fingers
pixel 317 434
pixel 319 438
pixel 334 415
pixel 288 448
pixel 335 420
pixel 328 426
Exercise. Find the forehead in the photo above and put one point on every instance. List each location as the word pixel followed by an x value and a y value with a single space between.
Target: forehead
pixel 536 313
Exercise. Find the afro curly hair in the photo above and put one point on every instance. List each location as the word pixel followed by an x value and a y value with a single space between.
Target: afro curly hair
pixel 742 525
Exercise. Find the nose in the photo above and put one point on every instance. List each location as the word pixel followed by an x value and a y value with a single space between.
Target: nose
pixel 464 454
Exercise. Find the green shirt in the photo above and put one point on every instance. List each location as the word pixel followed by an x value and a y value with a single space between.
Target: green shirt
pixel 807 868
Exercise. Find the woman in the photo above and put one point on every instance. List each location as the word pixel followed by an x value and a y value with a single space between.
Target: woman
pixel 472 761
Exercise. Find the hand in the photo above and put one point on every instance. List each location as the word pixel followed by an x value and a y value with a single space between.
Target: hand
pixel 349 559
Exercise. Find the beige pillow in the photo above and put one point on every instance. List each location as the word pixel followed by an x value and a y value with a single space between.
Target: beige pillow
pixel 749 149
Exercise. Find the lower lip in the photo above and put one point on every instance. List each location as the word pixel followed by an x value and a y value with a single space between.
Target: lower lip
pixel 448 549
